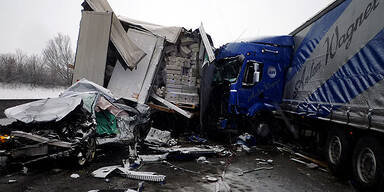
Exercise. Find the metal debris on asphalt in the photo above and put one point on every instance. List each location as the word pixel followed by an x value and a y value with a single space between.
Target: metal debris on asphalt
pixel 177 167
pixel 309 165
pixel 256 169
pixel 153 158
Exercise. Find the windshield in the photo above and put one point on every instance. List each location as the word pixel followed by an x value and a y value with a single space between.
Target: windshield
pixel 228 69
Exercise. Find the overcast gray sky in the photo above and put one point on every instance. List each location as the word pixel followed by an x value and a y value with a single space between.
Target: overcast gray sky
pixel 29 24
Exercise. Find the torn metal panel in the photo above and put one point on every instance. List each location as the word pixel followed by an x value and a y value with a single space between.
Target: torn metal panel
pixel 172 106
pixel 41 139
pixel 44 110
pixel 92 46
pixel 126 83
pixel 152 70
pixel 208 47
pixel 128 50
pixel 100 5
pixel 87 87
pixel 170 33
pixel 130 53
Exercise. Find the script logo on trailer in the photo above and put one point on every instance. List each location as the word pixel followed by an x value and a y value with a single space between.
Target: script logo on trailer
pixel 272 72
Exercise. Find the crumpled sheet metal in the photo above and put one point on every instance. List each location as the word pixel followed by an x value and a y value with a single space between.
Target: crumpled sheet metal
pixel 85 86
pixel 158 137
pixel 125 134
pixel 55 109
pixel 170 33
pixel 128 50
pixel 153 158
pixel 44 110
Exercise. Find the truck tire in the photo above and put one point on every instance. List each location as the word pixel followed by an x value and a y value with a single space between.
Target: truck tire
pixel 338 152
pixel 368 164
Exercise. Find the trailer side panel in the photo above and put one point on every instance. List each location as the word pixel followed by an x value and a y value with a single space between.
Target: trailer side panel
pixel 338 66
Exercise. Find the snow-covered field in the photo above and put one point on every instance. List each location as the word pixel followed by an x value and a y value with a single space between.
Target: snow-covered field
pixel 25 91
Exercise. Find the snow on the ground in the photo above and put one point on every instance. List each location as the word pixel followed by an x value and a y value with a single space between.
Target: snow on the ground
pixel 25 91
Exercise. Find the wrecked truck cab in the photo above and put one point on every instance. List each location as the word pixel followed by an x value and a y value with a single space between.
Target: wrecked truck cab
pixel 71 125
pixel 257 86
pixel 49 129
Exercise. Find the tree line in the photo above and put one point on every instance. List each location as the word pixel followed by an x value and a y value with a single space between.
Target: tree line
pixel 51 68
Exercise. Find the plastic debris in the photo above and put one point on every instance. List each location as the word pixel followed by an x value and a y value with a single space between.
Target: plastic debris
pixel 145 176
pixel 12 181
pixel 202 159
pixel 211 179
pixel 75 175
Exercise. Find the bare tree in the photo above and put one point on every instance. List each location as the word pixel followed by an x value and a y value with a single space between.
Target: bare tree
pixel 8 65
pixel 58 55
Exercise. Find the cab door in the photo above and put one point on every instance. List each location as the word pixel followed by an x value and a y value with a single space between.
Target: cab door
pixel 251 76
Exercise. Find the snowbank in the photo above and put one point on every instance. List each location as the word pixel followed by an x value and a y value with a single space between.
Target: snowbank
pixel 25 91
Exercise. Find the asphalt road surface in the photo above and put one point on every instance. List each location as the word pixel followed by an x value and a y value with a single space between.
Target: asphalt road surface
pixel 286 175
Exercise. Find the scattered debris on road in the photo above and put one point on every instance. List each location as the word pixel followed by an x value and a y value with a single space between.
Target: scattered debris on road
pixel 75 176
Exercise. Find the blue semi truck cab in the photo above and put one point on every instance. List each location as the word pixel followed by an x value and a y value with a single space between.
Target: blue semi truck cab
pixel 255 71
pixel 323 83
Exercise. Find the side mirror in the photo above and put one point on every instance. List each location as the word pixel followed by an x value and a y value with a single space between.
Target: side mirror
pixel 256 73
pixel 256 77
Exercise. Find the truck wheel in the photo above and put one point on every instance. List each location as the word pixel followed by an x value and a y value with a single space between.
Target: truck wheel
pixel 338 152
pixel 368 162
pixel 88 153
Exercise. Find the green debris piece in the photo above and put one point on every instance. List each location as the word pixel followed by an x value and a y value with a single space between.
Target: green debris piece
pixel 106 123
